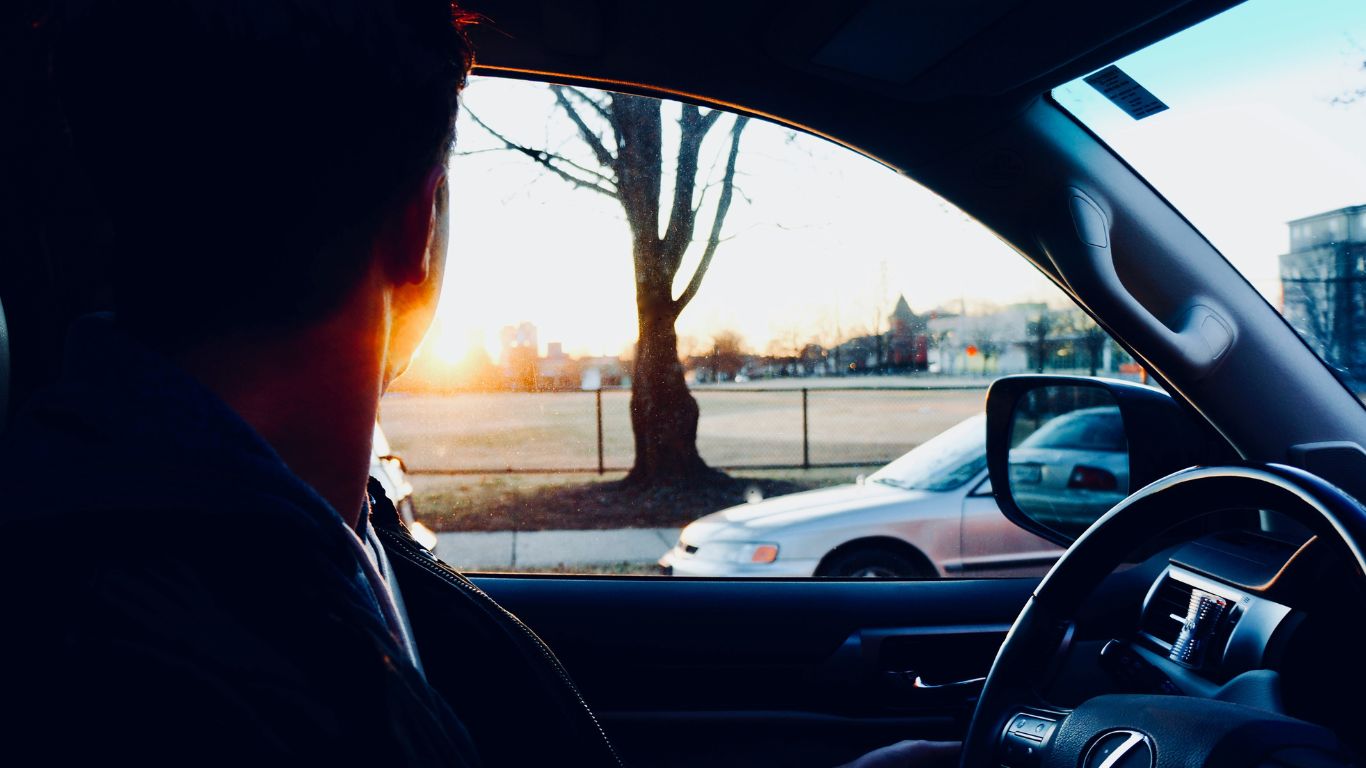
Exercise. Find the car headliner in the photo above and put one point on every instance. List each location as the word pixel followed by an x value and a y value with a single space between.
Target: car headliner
pixel 903 82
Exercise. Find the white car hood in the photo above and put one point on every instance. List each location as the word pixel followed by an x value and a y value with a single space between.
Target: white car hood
pixel 748 520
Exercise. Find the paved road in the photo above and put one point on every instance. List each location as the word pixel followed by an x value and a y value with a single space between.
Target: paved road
pixel 505 549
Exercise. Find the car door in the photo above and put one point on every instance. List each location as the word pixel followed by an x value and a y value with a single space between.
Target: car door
pixel 712 672
pixel 992 545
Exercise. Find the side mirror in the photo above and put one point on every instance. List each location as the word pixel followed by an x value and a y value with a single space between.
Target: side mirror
pixel 1063 450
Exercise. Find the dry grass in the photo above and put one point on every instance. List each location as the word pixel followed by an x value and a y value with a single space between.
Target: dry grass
pixel 547 502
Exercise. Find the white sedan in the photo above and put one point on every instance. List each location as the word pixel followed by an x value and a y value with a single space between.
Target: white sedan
pixel 392 475
pixel 930 513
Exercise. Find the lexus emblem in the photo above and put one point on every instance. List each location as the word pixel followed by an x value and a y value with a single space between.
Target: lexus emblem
pixel 1120 749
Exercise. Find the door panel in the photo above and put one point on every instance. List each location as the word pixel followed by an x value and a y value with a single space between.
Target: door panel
pixel 992 545
pixel 717 673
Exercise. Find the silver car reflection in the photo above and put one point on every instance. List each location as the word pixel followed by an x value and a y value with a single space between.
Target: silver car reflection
pixel 929 513
pixel 1073 468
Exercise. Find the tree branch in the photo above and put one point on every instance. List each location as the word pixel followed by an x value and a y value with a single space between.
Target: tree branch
pixel 709 119
pixel 599 177
pixel 484 151
pixel 593 140
pixel 548 161
pixel 602 109
pixel 678 234
pixel 722 208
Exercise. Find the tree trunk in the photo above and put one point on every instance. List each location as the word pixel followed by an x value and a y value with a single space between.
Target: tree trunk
pixel 663 411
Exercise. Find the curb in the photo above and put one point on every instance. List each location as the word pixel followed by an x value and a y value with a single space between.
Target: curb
pixel 514 549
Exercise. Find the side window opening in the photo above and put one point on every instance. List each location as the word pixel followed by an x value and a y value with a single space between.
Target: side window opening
pixel 825 329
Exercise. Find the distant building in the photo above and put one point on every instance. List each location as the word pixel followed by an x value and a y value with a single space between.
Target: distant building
pixel 1022 337
pixel 1323 286
pixel 903 348
pixel 557 371
pixel 908 341
pixel 987 343
pixel 517 337
pixel 858 355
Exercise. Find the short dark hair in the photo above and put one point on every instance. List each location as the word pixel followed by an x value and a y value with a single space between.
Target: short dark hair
pixel 245 150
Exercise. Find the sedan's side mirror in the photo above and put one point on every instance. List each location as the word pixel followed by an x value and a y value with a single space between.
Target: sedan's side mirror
pixel 1063 450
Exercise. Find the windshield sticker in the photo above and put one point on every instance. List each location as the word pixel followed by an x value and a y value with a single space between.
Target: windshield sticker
pixel 1124 92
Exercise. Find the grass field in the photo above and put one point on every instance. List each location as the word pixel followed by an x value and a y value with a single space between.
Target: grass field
pixel 492 433
pixel 558 431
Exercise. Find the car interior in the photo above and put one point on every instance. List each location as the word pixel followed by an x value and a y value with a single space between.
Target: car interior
pixel 1211 617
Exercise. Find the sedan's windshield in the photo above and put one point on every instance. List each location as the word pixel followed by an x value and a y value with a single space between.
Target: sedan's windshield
pixel 941 463
pixel 1253 124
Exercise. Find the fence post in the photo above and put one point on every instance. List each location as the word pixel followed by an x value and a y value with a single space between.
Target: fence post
pixel 806 439
pixel 601 466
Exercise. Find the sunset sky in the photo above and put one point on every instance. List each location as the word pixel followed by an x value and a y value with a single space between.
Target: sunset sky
pixel 808 240
pixel 1251 141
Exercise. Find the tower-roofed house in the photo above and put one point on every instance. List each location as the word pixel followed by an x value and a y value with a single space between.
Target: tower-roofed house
pixel 1323 286
pixel 908 340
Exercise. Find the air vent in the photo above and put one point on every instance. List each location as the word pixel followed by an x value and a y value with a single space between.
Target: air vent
pixel 1167 611
pixel 1166 614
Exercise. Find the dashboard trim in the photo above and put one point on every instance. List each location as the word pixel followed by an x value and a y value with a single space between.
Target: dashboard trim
pixel 1255 620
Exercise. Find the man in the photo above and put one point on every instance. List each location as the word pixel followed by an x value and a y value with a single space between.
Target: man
pixel 190 578
pixel 192 571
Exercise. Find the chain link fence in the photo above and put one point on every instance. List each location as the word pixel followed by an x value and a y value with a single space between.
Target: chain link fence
pixel 739 428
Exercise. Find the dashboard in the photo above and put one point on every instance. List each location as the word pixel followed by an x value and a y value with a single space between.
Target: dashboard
pixel 1269 621
pixel 1216 609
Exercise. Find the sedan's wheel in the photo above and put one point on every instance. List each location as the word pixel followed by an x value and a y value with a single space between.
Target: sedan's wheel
pixel 874 563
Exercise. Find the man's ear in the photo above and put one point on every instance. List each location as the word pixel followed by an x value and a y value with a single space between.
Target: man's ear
pixel 402 240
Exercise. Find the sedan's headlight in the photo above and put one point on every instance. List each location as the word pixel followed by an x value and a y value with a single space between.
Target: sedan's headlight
pixel 738 551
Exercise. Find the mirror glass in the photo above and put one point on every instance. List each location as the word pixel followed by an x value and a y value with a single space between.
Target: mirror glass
pixel 1069 459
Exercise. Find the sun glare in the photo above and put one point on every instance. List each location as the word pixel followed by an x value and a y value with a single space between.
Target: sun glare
pixel 446 344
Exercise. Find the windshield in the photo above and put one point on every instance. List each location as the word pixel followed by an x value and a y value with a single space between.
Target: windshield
pixel 1092 429
pixel 943 462
pixel 1253 124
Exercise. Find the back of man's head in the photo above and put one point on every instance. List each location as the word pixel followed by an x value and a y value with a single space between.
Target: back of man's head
pixel 244 151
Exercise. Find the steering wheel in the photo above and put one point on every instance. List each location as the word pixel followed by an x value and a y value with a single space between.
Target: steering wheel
pixel 1143 731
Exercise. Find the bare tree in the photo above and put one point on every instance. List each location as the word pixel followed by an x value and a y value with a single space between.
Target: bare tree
pixel 624 134
pixel 786 345
pixel 727 353
pixel 1039 332
pixel 1351 95
pixel 880 313
pixel 1320 292
pixel 1093 340
pixel 828 335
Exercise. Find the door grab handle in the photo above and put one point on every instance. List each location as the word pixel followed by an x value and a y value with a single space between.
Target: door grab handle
pixel 920 683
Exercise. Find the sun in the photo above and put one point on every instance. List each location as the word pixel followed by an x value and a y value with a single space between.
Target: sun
pixel 445 344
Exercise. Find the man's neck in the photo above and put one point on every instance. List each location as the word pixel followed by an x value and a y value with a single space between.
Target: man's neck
pixel 313 395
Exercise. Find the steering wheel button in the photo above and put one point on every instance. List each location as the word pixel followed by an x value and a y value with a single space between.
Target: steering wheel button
pixel 1032 728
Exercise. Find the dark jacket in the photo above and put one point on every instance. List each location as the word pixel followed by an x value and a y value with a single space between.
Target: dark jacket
pixel 172 592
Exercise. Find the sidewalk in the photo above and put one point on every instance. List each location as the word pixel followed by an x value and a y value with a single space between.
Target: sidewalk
pixel 506 549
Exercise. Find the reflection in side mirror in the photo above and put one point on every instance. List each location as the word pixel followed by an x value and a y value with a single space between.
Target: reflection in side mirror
pixel 1068 458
